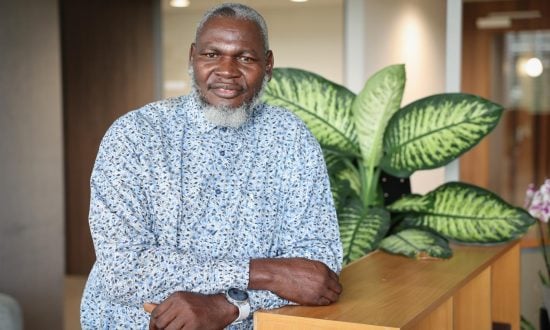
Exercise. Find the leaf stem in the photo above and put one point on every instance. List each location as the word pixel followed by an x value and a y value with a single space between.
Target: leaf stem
pixel 543 246
pixel 350 165
pixel 370 177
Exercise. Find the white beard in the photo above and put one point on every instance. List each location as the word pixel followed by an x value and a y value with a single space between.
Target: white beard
pixel 228 117
pixel 225 116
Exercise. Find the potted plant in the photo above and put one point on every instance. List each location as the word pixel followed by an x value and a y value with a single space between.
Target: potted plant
pixel 364 134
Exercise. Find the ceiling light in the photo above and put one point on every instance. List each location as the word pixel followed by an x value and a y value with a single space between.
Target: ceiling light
pixel 517 14
pixel 493 22
pixel 503 19
pixel 533 67
pixel 298 0
pixel 179 3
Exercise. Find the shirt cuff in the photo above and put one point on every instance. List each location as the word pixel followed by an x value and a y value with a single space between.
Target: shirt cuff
pixel 262 299
pixel 231 274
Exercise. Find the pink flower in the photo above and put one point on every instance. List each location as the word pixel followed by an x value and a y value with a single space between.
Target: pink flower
pixel 537 202
pixel 529 194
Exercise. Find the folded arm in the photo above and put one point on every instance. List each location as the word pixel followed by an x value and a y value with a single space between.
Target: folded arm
pixel 309 247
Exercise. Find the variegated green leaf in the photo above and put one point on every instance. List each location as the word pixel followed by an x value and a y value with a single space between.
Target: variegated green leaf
pixel 374 106
pixel 351 176
pixel 417 243
pixel 470 214
pixel 341 193
pixel 409 203
pixel 344 179
pixel 361 229
pixel 335 163
pixel 433 131
pixel 324 106
pixel 342 168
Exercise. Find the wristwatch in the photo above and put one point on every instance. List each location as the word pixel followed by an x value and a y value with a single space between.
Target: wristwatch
pixel 239 298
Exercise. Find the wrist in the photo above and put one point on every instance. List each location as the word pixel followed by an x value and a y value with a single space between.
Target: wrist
pixel 229 311
pixel 239 298
pixel 262 274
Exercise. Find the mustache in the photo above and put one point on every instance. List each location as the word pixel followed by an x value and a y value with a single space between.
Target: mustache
pixel 218 84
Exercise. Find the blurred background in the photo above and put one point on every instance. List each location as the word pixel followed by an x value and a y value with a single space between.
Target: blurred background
pixel 68 69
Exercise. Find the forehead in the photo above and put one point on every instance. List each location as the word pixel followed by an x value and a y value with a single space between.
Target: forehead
pixel 230 30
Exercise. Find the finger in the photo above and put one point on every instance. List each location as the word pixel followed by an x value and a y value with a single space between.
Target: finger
pixel 152 325
pixel 176 324
pixel 162 314
pixel 331 296
pixel 333 275
pixel 335 286
pixel 166 318
pixel 323 301
pixel 160 309
pixel 149 307
pixel 336 278
pixel 333 282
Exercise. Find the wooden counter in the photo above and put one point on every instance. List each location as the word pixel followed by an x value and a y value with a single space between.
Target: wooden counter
pixel 470 291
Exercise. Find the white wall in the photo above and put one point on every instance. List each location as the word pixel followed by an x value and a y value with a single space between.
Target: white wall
pixel 31 190
pixel 309 38
pixel 410 32
pixel 402 31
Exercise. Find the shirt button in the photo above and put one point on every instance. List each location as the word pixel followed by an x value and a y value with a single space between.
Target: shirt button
pixel 222 152
pixel 218 191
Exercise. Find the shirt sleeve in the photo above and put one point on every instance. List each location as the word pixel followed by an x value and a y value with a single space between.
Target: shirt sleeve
pixel 309 227
pixel 134 268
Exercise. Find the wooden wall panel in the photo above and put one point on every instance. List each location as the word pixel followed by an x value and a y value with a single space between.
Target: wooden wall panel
pixel 487 164
pixel 476 79
pixel 542 145
pixel 108 69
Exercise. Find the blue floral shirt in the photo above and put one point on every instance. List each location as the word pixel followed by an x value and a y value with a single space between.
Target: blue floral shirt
pixel 178 204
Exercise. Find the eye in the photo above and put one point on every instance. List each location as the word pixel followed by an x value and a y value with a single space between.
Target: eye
pixel 245 59
pixel 210 55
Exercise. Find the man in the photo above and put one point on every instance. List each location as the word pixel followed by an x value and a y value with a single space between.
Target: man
pixel 210 206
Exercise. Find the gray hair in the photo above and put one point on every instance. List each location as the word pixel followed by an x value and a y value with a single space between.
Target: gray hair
pixel 237 11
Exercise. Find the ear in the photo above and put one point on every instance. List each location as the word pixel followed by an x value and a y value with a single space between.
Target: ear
pixel 192 50
pixel 269 64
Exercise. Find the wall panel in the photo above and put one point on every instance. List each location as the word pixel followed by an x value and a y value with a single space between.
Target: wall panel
pixel 108 69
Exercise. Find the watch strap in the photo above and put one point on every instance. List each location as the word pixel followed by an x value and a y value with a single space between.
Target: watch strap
pixel 244 311
pixel 243 306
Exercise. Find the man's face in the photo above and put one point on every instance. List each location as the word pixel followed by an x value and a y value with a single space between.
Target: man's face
pixel 229 62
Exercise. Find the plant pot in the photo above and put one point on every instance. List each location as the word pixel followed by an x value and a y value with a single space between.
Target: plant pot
pixel 543 320
pixel 546 296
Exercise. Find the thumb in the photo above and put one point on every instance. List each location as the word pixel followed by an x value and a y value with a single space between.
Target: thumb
pixel 149 307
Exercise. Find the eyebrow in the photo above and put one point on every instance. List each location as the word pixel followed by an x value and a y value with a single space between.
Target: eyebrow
pixel 222 50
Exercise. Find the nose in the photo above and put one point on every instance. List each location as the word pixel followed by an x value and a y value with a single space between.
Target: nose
pixel 227 67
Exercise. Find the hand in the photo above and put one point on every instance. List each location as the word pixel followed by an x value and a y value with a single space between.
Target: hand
pixel 300 280
pixel 188 310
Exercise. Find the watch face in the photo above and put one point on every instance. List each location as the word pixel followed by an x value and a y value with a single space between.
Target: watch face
pixel 237 294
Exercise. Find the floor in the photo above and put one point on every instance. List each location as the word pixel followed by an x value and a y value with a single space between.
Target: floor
pixel 74 285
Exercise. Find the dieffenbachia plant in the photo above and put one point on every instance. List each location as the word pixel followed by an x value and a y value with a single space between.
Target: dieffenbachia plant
pixel 363 134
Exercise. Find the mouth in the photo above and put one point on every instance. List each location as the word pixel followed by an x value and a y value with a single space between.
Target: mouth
pixel 225 91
